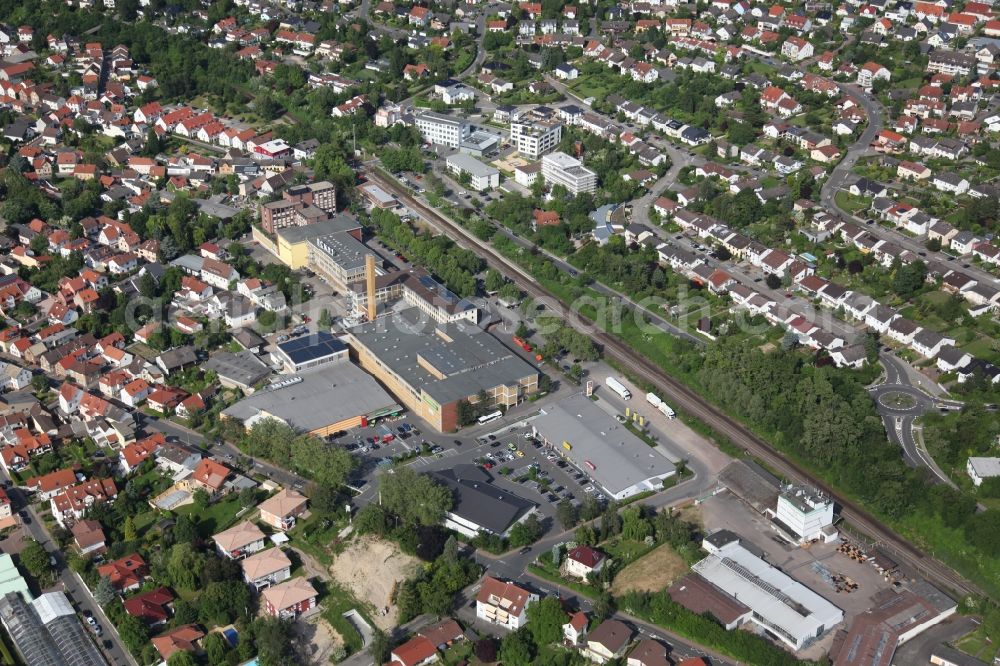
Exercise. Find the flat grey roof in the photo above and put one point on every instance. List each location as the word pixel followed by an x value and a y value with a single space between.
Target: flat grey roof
pixel 620 459
pixel 242 367
pixel 336 223
pixel 471 165
pixel 378 193
pixel 467 359
pixel 344 250
pixel 326 395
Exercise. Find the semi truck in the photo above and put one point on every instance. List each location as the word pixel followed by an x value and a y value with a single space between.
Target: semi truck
pixel 663 407
pixel 618 388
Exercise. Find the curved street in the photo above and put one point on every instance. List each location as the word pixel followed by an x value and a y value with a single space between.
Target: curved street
pixel 900 403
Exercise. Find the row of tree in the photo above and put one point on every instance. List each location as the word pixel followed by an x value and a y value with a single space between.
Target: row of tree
pixel 456 267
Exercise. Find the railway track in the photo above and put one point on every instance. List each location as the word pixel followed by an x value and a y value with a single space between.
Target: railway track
pixel 687 400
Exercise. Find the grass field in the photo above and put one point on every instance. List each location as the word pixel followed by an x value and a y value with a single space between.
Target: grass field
pixel 214 518
pixel 650 573
pixel 978 645
pixel 850 202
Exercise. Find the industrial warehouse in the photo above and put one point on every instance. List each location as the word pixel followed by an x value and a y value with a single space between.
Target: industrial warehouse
pixel 778 603
pixel 431 367
pixel 320 401
pixel 618 461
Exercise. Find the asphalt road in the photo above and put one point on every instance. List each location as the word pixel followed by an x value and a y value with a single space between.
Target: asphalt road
pixel 899 415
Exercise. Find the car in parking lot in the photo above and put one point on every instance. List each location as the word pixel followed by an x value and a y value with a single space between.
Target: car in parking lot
pixel 437 449
pixel 589 489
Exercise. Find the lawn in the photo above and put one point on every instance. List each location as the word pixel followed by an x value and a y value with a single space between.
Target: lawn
pixel 650 573
pixel 336 601
pixel 977 644
pixel 589 87
pixel 215 517
pixel 849 202
pixel 982 347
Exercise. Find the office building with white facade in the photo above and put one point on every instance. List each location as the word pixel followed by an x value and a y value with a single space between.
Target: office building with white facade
pixel 804 514
pixel 561 169
pixel 441 130
pixel 481 176
pixel 534 138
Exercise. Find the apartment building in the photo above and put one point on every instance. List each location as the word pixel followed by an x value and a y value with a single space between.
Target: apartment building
pixel 561 169
pixel 534 138
pixel 441 130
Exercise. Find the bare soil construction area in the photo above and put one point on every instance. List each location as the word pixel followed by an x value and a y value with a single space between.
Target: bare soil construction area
pixel 370 569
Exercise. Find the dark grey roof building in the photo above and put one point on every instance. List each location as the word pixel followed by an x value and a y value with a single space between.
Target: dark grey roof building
pixel 479 505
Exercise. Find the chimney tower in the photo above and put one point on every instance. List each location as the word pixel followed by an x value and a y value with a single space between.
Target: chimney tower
pixel 370 285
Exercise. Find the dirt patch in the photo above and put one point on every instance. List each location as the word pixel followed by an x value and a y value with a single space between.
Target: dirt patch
pixel 650 573
pixel 315 640
pixel 370 569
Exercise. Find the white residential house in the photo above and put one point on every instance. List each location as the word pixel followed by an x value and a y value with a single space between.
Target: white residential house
pixel 951 183
pixel 504 604
pixel 982 468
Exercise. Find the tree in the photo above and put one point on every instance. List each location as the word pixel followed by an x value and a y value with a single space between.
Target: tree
pixel 133 632
pixel 602 609
pixel 790 340
pixel 908 279
pixel 104 593
pixel 36 560
pixel 182 658
pixel 635 526
pixel 415 498
pixel 201 499
pixel 371 519
pixel 325 321
pixel 380 647
pixel 567 514
pixel 450 552
pixel 871 345
pixel 494 281
pixel 248 497
pixel 517 648
pixel 215 649
pixel 39 244
pixel 486 648
pixel 545 620
pixel 526 532
pixel 223 602
pixel 183 565
pixel 510 293
pixel 129 529
pixel 39 383
pixel 772 281
pixel 147 285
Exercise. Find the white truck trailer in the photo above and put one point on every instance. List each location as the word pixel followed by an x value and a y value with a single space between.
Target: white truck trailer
pixel 618 388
